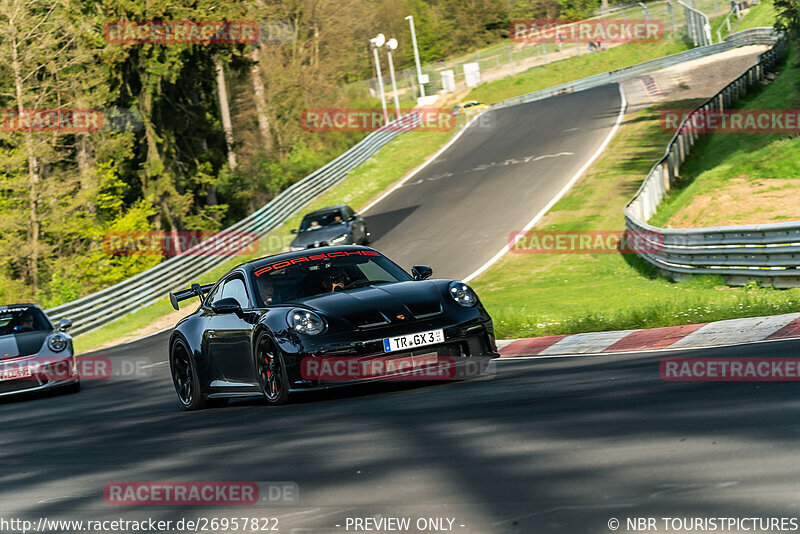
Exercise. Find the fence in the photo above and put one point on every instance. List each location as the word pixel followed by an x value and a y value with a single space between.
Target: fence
pixel 727 22
pixel 747 37
pixel 769 252
pixel 509 58
pixel 97 309
pixel 697 25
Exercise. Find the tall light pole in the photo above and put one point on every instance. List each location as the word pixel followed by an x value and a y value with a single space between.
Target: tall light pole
pixel 410 20
pixel 377 42
pixel 391 44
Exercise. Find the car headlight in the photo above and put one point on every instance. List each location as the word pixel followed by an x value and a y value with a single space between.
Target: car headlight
pixel 306 322
pixel 339 239
pixel 295 249
pixel 463 294
pixel 57 342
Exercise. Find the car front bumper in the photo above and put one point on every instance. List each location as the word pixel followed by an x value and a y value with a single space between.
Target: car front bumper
pixel 465 353
pixel 29 374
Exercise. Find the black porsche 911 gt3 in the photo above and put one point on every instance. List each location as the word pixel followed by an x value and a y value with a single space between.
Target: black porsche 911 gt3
pixel 306 320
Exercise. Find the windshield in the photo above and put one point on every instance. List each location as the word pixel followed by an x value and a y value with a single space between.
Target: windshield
pixel 22 319
pixel 315 274
pixel 315 222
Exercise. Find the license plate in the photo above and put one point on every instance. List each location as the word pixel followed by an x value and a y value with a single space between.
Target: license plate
pixel 412 341
pixel 14 374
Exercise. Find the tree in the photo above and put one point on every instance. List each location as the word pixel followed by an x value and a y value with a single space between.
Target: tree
pixel 34 51
pixel 788 15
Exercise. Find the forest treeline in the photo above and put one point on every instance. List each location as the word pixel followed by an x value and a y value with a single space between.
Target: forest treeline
pixel 165 156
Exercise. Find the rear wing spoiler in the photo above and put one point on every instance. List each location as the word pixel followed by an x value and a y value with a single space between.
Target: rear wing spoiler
pixel 195 290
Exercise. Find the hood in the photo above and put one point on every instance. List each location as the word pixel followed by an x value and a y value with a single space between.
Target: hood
pixel 323 235
pixel 379 305
pixel 22 344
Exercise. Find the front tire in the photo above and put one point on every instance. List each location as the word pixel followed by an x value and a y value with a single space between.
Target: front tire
pixel 272 376
pixel 184 378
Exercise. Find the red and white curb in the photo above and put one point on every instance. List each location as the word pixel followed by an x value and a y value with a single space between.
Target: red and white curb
pixel 729 332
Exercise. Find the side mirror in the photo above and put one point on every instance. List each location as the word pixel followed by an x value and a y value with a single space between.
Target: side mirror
pixel 293 231
pixel 352 217
pixel 421 272
pixel 64 325
pixel 226 305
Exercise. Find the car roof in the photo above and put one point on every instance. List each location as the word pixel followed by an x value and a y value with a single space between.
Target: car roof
pixel 325 210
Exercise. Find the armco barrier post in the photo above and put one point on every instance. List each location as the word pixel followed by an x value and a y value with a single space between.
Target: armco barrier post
pixel 665 175
pixel 673 171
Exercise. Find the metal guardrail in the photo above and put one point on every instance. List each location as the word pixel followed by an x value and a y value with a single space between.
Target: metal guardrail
pixel 744 38
pixel 92 311
pixel 768 252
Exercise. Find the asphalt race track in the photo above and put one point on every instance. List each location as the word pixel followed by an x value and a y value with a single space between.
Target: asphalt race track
pixel 543 445
pixel 458 211
pixel 559 445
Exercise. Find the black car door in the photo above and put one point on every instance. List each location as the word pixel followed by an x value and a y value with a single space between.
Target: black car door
pixel 228 336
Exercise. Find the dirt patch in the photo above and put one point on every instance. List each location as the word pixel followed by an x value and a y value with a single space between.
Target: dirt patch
pixel 744 201
pixel 698 79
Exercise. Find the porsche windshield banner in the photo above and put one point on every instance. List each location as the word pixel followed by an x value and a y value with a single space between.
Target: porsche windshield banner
pixel 313 257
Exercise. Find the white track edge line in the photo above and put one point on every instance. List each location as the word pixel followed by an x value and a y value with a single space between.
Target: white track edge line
pixel 575 178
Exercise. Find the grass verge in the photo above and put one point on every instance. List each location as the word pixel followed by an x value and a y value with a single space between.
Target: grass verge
pixel 722 163
pixel 575 68
pixel 543 294
pixel 763 14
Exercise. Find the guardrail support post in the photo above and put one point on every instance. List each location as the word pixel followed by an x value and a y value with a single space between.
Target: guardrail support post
pixel 673 165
